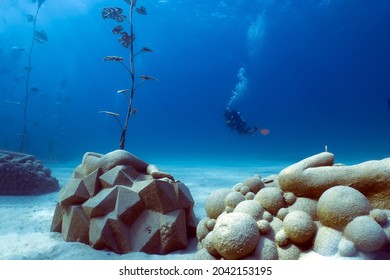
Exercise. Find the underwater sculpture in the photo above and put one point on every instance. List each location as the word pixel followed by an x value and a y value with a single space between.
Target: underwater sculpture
pixel 314 175
pixel 40 37
pixel 273 218
pixel 23 174
pixel 120 203
pixel 127 41
pixel 117 201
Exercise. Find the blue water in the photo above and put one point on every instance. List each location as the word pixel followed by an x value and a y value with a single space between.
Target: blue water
pixel 317 72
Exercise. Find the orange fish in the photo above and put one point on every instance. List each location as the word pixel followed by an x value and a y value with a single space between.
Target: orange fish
pixel 264 131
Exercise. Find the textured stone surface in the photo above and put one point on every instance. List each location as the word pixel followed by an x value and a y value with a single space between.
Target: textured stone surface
pixel 92 161
pixel 151 189
pixel 23 174
pixel 308 205
pixel 202 230
pixel 208 244
pixel 271 199
pixel 124 208
pixel 203 254
pixel 346 248
pixel 299 226
pixel 101 204
pixel 128 205
pixel 314 175
pixel 265 249
pixel 235 235
pixel 233 199
pixel 92 182
pixel 341 204
pixel 119 175
pixel 250 207
pixel 56 225
pixel 109 233
pixel 75 225
pixel 379 216
pixel 215 204
pixel 303 220
pixel 290 252
pixel 365 233
pixel 254 183
pixel 327 241
pixel 75 193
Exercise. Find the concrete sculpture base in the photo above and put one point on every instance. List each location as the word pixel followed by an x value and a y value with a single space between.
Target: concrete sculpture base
pixel 119 203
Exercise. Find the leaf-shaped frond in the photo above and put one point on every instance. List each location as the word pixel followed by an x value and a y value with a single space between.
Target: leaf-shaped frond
pixel 40 36
pixel 141 11
pixel 143 49
pixel 146 77
pixel 146 49
pixel 117 29
pixel 126 39
pixel 123 90
pixel 112 114
pixel 13 102
pixel 114 13
pixel 113 58
pixel 109 113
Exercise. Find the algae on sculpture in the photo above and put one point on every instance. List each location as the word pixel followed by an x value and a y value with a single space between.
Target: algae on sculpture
pixel 120 203
pixel 296 215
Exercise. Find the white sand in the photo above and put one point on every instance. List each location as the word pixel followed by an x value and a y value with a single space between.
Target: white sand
pixel 25 220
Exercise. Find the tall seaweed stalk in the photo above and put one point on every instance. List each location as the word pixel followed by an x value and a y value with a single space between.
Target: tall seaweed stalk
pixel 37 36
pixel 126 40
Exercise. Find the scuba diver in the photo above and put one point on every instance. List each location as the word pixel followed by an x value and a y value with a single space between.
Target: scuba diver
pixel 236 122
pixel 233 118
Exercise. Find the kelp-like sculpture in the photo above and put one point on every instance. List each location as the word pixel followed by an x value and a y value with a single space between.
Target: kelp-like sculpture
pixel 126 39
pixel 40 37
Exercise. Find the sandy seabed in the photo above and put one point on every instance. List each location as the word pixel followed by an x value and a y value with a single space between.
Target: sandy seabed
pixel 25 220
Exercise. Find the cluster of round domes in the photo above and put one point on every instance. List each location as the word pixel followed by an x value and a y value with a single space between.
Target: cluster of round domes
pixel 23 174
pixel 258 220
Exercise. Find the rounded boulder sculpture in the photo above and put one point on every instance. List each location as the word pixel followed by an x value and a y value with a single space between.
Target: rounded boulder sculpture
pixel 235 235
pixel 304 212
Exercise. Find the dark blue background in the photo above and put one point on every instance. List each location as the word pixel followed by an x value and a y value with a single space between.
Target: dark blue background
pixel 319 74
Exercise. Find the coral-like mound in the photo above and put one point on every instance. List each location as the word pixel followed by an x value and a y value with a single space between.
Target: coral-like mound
pixel 302 212
pixel 23 174
pixel 120 203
